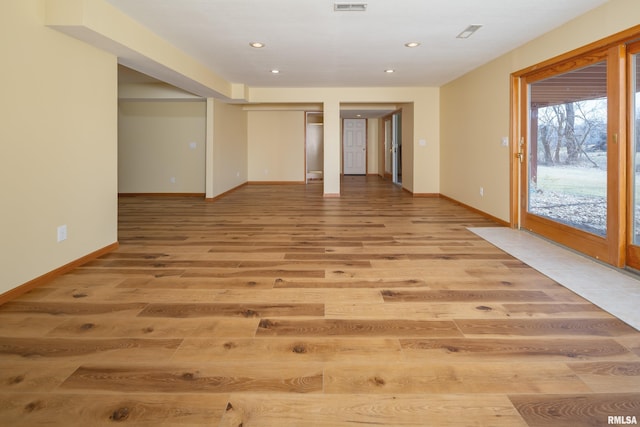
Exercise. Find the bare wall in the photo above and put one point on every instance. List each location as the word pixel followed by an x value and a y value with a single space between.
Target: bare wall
pixel 161 146
pixel 229 147
pixel 276 146
pixel 59 145
pixel 372 146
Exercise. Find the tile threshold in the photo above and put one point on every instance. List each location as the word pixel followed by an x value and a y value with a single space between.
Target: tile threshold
pixel 613 290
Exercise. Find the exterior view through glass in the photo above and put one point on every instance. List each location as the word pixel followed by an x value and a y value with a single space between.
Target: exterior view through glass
pixel 567 159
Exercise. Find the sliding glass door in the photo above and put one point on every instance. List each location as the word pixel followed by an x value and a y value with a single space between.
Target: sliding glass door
pixel 573 164
pixel 633 249
pixel 564 194
pixel 567 158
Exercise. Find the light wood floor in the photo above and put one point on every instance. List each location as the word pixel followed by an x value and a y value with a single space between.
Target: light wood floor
pixel 274 306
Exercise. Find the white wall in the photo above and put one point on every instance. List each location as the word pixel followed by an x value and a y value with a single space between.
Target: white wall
pixel 59 146
pixel 372 146
pixel 276 146
pixel 230 147
pixel 161 146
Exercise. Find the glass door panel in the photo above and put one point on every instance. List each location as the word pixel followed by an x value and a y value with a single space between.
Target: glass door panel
pixel 634 136
pixel 396 152
pixel 388 147
pixel 567 153
pixel 569 175
pixel 633 245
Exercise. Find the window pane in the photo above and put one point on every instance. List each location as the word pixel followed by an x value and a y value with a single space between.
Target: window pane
pixel 635 144
pixel 568 148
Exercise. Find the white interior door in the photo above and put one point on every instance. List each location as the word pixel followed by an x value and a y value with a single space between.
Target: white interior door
pixel 355 146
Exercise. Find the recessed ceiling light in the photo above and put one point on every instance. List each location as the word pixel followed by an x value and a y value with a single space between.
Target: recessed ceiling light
pixel 468 32
pixel 257 45
pixel 412 44
pixel 275 71
pixel 389 71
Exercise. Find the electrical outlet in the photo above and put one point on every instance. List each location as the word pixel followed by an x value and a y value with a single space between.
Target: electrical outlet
pixel 481 191
pixel 62 233
pixel 173 179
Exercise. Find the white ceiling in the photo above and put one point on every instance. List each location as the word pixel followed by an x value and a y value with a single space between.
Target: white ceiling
pixel 313 46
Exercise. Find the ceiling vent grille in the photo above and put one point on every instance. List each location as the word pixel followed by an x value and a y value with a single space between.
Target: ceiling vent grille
pixel 349 7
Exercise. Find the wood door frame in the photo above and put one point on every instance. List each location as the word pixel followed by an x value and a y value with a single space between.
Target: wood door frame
pixel 617 131
pixel 615 249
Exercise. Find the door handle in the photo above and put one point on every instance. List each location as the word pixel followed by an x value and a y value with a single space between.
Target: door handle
pixel 520 154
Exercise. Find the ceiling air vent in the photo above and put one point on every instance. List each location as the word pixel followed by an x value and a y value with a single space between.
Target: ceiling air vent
pixel 349 7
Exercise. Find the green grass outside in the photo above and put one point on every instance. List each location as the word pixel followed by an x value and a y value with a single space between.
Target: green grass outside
pixel 581 181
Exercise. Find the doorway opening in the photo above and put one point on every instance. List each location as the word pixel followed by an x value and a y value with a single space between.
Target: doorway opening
pixel 314 147
pixel 393 147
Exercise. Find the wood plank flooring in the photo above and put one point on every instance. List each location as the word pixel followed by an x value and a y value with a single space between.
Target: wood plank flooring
pixel 274 306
